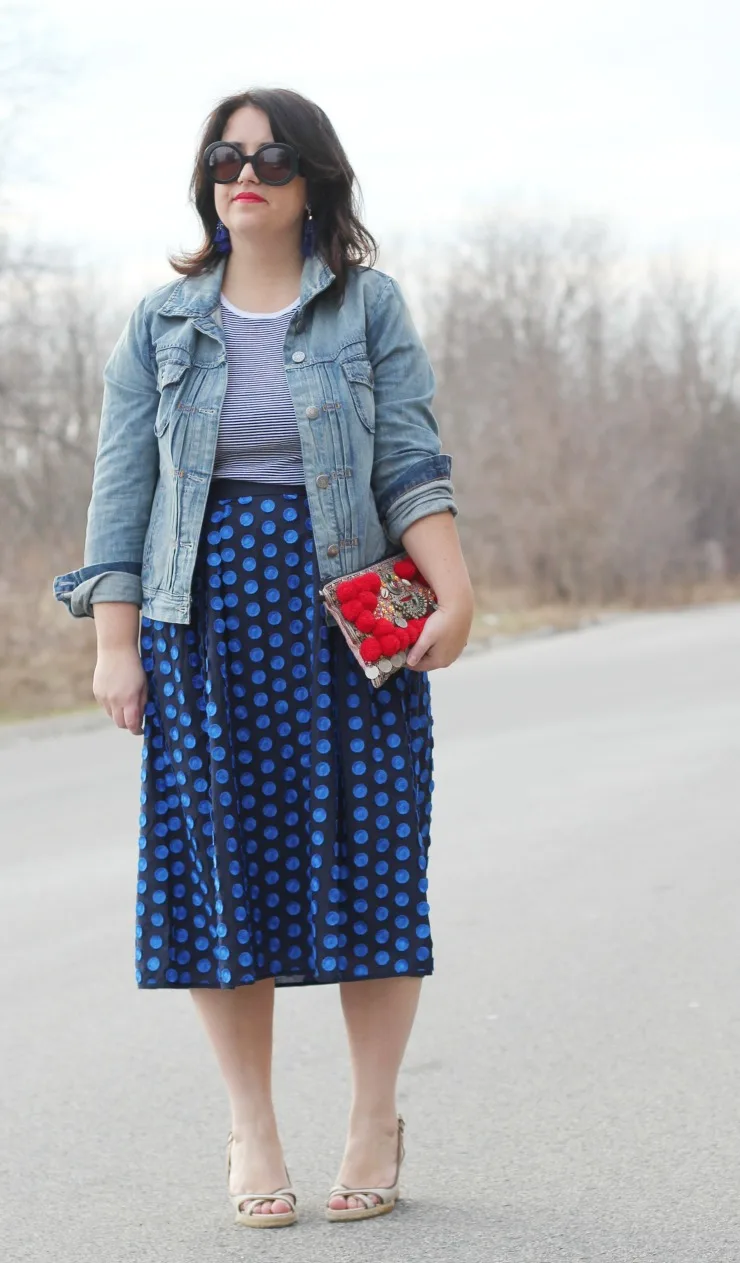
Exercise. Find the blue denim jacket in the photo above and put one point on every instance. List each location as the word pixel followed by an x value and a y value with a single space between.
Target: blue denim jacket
pixel 361 385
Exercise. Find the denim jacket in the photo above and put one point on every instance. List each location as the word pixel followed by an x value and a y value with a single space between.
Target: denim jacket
pixel 361 385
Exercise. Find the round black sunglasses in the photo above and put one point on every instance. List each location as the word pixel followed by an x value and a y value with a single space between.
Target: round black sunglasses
pixel 273 163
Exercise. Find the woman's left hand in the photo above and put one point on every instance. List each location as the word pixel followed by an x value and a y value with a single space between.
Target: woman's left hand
pixel 443 638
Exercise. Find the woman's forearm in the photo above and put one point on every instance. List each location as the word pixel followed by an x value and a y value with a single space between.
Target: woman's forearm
pixel 433 543
pixel 116 624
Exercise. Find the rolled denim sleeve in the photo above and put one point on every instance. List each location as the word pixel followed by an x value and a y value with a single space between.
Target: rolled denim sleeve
pixel 411 476
pixel 80 589
pixel 124 479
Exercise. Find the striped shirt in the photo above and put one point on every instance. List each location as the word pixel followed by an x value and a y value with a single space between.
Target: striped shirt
pixel 258 432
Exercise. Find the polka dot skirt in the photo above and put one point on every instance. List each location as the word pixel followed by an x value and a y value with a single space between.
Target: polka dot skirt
pixel 285 803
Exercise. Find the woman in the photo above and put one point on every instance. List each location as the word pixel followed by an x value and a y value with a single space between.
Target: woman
pixel 266 427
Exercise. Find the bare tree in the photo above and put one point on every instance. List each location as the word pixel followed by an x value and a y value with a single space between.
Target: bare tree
pixel 595 424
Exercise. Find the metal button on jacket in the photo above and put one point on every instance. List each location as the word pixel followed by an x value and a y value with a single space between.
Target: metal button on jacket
pixel 299 357
pixel 322 482
pixel 332 550
pixel 312 412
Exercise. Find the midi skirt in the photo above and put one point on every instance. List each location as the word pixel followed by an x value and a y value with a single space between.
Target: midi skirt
pixel 286 802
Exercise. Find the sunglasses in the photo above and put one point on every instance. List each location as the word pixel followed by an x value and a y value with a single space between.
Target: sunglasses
pixel 273 163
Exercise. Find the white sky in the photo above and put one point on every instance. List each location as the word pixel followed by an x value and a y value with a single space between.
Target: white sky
pixel 628 110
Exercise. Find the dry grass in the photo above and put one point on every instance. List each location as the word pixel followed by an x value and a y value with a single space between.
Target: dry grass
pixel 506 613
pixel 47 657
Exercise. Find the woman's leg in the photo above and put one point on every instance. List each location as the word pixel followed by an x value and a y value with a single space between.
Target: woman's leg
pixel 379 1014
pixel 239 1025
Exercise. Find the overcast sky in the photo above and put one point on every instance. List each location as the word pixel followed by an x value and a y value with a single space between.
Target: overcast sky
pixel 625 110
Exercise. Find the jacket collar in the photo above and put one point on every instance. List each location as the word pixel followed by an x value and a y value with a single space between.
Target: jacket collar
pixel 199 295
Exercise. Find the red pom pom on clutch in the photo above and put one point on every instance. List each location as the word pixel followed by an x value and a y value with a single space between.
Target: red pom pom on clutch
pixel 370 649
pixel 346 590
pixel 351 609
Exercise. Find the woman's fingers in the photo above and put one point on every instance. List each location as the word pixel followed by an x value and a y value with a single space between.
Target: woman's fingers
pixel 442 640
pixel 422 647
pixel 126 714
pixel 132 717
pixel 430 661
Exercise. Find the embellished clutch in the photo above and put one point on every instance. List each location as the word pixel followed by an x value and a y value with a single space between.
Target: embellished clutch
pixel 380 612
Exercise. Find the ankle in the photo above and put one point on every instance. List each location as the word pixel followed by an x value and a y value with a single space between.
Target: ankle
pixel 377 1119
pixel 256 1128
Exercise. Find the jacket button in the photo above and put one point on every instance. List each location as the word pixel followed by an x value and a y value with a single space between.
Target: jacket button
pixel 312 412
pixel 322 482
pixel 298 357
pixel 332 550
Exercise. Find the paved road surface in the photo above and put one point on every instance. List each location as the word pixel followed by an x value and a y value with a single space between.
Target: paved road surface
pixel 572 1086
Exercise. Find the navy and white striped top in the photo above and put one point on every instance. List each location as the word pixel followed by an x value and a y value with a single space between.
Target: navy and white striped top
pixel 258 432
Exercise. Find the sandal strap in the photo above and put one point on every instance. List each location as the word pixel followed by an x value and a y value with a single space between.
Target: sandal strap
pixel 384 1195
pixel 258 1199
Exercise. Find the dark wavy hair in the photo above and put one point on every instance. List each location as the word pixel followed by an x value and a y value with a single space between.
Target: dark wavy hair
pixel 341 238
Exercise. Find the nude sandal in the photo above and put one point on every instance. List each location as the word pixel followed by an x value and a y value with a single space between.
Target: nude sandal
pixel 247 1216
pixel 388 1196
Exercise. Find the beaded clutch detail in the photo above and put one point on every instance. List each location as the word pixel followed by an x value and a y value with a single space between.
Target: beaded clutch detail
pixel 380 612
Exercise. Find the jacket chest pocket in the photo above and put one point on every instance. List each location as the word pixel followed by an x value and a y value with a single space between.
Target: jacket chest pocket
pixel 359 377
pixel 170 374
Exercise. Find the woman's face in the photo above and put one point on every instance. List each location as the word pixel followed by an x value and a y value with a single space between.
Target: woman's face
pixel 268 211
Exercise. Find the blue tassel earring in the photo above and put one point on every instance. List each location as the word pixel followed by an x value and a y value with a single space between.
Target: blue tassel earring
pixel 221 238
pixel 308 242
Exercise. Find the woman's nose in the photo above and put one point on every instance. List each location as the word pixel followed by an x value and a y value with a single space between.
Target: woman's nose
pixel 247 173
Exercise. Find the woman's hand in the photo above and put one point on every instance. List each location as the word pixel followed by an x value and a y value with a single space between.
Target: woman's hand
pixel 443 638
pixel 432 543
pixel 120 686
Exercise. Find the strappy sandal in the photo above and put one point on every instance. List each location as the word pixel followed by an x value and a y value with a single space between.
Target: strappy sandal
pixel 369 1209
pixel 245 1215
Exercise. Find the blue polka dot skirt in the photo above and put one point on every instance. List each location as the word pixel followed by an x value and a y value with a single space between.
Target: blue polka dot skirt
pixel 285 802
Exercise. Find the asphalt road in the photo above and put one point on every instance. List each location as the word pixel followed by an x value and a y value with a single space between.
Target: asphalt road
pixel 571 1089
